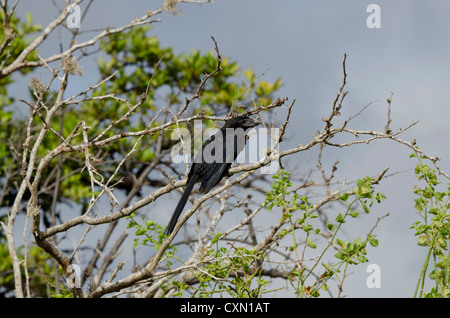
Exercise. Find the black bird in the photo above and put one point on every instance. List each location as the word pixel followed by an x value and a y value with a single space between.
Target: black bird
pixel 209 165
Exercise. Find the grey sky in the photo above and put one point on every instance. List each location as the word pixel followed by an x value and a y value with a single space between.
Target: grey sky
pixel 304 43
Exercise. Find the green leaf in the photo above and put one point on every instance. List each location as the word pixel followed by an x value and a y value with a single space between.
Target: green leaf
pixel 340 255
pixel 434 211
pixel 343 196
pixel 373 242
pixel 365 208
pixel 310 243
pixel 340 218
pixel 362 259
pixel 140 232
pixel 422 241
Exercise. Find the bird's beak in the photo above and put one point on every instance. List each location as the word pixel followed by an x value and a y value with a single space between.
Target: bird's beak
pixel 252 122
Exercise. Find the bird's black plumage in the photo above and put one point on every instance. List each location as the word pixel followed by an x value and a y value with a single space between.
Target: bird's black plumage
pixel 210 166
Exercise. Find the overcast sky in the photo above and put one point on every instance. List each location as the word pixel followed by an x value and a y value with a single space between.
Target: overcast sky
pixel 304 43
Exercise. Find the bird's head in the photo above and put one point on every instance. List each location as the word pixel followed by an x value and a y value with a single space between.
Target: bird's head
pixel 244 122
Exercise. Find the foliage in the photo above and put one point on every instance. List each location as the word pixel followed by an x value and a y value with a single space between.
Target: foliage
pixel 139 59
pixel 40 269
pixel 140 62
pixel 432 230
pixel 17 37
pixel 349 253
pixel 237 271
pixel 150 233
pixel 233 271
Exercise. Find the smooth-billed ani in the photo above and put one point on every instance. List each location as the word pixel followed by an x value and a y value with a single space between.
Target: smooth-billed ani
pixel 210 166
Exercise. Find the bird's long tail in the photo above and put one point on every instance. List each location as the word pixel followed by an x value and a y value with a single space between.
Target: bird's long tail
pixel 180 206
